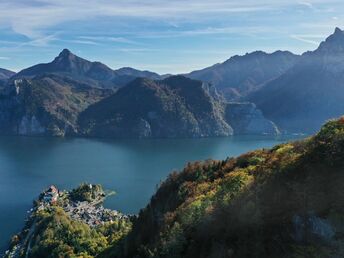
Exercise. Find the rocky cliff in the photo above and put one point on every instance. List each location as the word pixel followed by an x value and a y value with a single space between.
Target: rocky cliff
pixel 44 106
pixel 245 118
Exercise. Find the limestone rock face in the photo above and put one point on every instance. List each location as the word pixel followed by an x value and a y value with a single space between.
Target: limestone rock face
pixel 29 125
pixel 245 118
pixel 46 106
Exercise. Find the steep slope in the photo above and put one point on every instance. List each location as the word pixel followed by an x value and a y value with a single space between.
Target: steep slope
pixel 309 93
pixel 174 107
pixel 45 105
pixel 284 202
pixel 4 76
pixel 240 75
pixel 95 74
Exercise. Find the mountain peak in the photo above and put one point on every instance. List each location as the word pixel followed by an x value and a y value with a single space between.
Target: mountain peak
pixel 338 30
pixel 333 44
pixel 65 52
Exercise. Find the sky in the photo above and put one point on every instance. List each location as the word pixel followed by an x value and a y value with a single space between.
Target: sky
pixel 164 36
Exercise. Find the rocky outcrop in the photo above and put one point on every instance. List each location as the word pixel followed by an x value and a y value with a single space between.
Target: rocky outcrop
pixel 245 118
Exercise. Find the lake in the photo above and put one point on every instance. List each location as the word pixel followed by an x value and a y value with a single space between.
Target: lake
pixel 132 168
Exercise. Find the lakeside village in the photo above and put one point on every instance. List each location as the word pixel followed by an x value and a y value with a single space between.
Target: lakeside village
pixel 83 204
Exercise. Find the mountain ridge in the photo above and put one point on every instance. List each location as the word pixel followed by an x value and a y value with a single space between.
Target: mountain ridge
pixel 242 74
pixel 310 92
pixel 95 73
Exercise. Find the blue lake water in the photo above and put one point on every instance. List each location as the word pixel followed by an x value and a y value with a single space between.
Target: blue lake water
pixel 133 168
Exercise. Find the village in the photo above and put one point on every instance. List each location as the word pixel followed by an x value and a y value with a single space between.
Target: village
pixel 90 212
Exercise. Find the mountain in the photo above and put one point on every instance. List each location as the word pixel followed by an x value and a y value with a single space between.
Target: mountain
pixel 45 105
pixel 95 74
pixel 174 107
pixel 286 201
pixel 241 75
pixel 310 92
pixel 4 76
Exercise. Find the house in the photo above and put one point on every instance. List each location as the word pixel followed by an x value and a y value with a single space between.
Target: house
pixel 51 195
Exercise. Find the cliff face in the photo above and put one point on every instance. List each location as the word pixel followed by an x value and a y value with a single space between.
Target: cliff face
pixel 245 118
pixel 44 106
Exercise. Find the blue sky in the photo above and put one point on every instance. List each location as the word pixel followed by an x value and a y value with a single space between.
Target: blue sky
pixel 165 36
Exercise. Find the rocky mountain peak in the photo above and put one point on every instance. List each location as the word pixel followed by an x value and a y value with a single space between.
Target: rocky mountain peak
pixel 66 56
pixel 334 43
pixel 65 52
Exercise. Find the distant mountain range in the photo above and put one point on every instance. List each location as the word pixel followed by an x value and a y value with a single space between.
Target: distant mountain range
pixel 4 76
pixel 240 75
pixel 95 74
pixel 309 93
pixel 298 93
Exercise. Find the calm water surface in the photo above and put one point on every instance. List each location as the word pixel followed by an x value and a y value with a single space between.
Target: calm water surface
pixel 132 168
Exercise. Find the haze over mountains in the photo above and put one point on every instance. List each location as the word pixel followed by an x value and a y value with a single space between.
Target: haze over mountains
pixel 310 92
pixel 4 76
pixel 241 75
pixel 298 93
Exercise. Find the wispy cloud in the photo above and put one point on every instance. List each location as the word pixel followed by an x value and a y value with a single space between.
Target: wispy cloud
pixel 4 58
pixel 308 38
pixel 307 4
pixel 31 17
pixel 78 41
pixel 109 39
